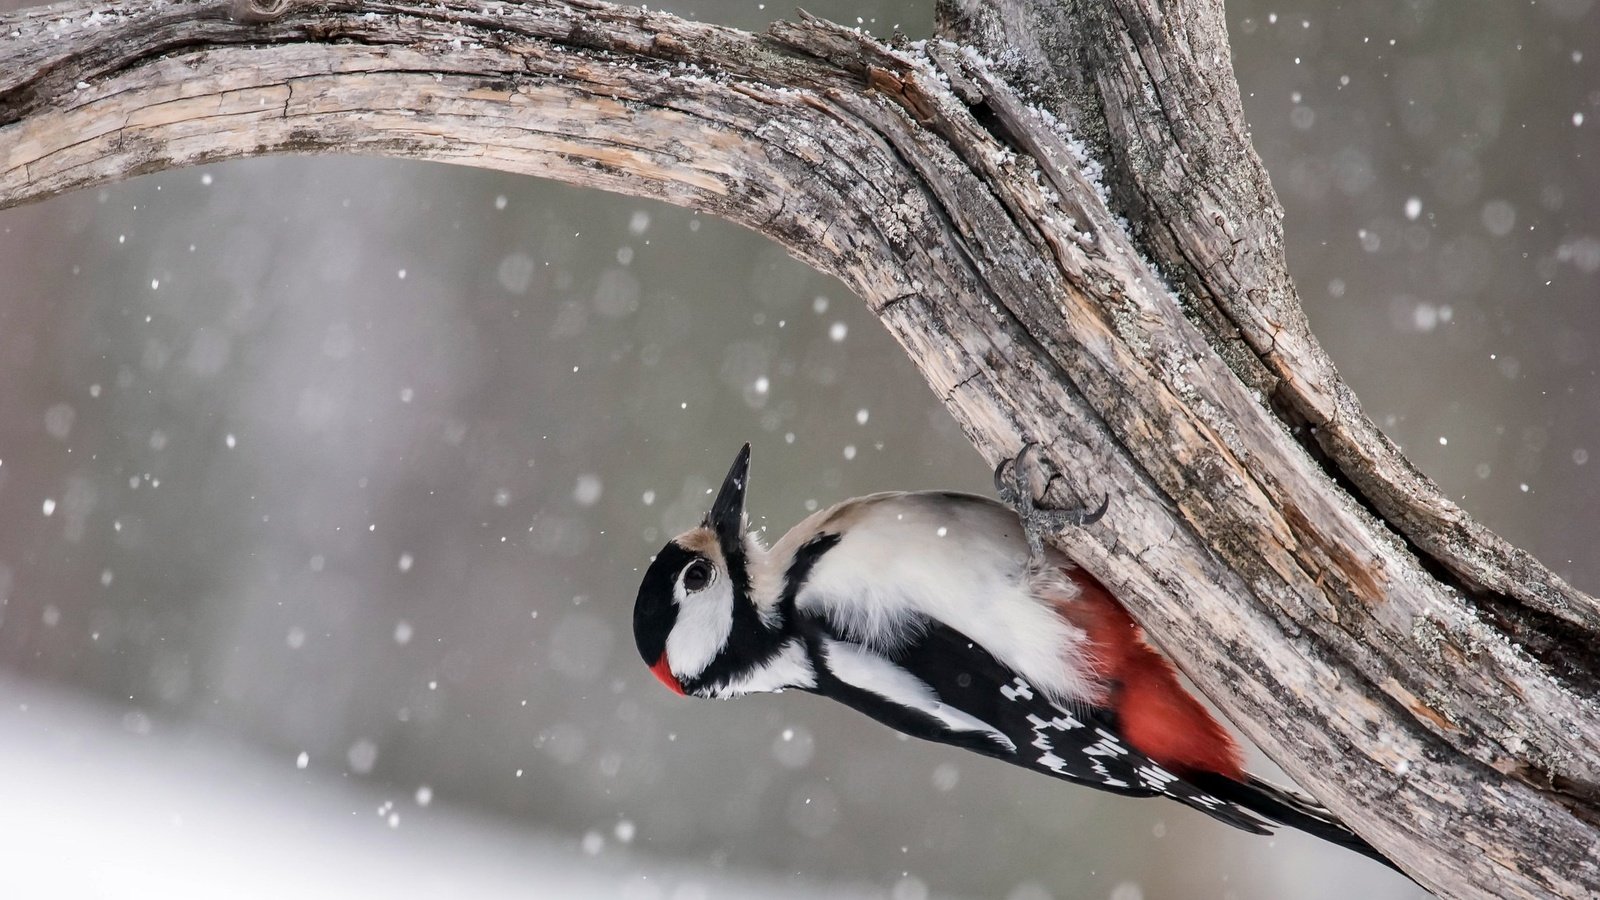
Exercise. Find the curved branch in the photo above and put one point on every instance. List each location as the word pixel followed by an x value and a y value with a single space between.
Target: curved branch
pixel 1150 88
pixel 1389 678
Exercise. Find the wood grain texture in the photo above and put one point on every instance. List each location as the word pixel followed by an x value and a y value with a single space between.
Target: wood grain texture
pixel 1432 685
pixel 1150 86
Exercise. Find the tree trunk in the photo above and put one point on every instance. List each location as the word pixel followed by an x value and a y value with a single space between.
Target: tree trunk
pixel 1432 685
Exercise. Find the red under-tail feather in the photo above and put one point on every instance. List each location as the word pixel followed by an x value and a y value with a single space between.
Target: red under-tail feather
pixel 1158 717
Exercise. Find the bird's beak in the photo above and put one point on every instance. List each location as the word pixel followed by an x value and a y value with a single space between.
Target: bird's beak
pixel 726 517
pixel 663 672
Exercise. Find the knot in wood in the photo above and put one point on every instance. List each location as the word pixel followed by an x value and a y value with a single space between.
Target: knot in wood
pixel 259 11
pixel 903 91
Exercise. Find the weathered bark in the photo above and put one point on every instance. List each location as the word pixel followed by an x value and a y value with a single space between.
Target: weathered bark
pixel 1432 685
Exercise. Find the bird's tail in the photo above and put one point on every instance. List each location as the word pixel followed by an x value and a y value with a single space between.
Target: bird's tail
pixel 1286 807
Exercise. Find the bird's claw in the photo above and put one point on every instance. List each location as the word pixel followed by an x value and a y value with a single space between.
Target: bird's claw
pixel 1013 481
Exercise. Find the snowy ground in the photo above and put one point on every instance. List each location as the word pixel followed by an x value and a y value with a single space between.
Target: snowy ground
pixel 92 807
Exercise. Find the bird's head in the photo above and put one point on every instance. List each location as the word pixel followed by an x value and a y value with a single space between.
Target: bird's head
pixel 695 621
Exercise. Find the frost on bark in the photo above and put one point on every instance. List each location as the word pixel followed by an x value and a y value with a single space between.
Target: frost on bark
pixel 1055 209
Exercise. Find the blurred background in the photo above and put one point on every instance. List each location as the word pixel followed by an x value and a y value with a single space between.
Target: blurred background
pixel 325 487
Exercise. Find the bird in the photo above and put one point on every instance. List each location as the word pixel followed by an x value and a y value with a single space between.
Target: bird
pixel 944 616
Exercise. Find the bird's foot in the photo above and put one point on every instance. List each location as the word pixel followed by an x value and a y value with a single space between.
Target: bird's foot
pixel 1014 480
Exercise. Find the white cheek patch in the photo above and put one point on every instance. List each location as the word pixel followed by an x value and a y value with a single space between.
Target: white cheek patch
pixel 862 668
pixel 705 619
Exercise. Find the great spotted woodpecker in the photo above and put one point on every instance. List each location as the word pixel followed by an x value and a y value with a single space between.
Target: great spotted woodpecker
pixel 943 616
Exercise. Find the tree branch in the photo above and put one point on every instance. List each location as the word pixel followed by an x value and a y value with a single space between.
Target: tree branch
pixel 1432 685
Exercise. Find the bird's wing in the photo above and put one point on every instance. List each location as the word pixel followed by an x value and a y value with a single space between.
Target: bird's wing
pixel 944 687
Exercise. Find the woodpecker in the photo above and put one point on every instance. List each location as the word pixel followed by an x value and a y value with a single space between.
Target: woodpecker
pixel 942 615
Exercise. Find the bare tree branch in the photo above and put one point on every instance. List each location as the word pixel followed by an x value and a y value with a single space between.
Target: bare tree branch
pixel 1150 86
pixel 1432 685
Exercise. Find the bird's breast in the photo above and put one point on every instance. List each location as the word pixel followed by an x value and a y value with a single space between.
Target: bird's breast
pixel 958 560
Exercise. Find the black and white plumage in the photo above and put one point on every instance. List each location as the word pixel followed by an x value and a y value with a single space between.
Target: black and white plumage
pixel 928 612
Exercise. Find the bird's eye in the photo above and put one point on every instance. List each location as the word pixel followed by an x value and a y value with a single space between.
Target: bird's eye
pixel 697 576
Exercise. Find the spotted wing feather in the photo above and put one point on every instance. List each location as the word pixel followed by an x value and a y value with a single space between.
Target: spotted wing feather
pixel 1080 744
